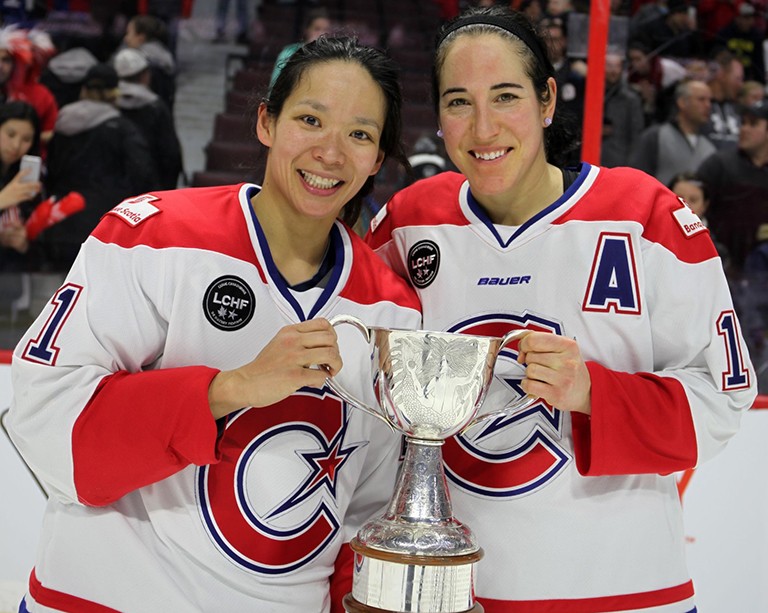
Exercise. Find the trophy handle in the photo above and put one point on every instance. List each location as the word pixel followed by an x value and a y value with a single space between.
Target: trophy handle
pixel 336 386
pixel 516 405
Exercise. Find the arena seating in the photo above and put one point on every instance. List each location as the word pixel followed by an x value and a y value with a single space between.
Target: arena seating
pixel 405 28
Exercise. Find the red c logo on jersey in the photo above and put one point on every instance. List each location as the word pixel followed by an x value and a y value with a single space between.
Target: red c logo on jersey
pixel 518 461
pixel 269 511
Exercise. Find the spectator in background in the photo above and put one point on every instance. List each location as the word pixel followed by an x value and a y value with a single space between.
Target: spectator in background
pixel 672 34
pixel 22 13
pixel 99 153
pixel 623 119
pixel 696 194
pixel 644 14
pixel 570 75
pixel 65 73
pixel 697 69
pixel 713 16
pixel 739 181
pixel 677 145
pixel 317 23
pixel 170 12
pixel 654 78
pixel 19 136
pixel 754 299
pixel 22 58
pixel 150 114
pixel 241 14
pixel 742 38
pixel 693 191
pixel 725 84
pixel 533 9
pixel 149 35
pixel 750 93
pixel 557 8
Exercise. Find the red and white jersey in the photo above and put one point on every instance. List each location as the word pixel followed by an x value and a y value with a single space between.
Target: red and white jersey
pixel 578 514
pixel 154 505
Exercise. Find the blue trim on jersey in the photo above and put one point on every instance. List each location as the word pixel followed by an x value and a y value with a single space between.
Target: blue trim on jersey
pixel 478 210
pixel 336 244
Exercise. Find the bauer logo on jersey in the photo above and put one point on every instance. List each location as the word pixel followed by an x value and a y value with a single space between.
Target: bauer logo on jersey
pixel 229 303
pixel 423 263
pixel 135 210
pixel 688 221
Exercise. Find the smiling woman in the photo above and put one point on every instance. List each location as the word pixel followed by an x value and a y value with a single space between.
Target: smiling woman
pixel 324 146
pixel 654 384
pixel 176 369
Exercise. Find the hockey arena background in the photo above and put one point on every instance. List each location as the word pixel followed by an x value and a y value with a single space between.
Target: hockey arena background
pixel 725 501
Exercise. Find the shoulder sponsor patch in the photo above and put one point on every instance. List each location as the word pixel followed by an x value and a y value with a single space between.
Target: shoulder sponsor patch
pixel 688 221
pixel 379 217
pixel 229 303
pixel 136 210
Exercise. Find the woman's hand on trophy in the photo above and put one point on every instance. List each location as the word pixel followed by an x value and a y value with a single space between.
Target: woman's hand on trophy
pixel 555 371
pixel 286 364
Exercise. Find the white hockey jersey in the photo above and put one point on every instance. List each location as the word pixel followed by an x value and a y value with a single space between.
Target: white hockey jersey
pixel 578 514
pixel 155 506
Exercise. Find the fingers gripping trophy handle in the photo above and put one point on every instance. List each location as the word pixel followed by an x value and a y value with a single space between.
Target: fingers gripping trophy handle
pixel 516 405
pixel 336 386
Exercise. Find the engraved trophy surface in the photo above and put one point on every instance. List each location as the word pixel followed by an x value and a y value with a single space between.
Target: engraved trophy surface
pixel 417 557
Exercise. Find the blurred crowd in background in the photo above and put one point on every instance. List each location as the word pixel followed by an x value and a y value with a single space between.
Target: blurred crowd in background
pixel 89 87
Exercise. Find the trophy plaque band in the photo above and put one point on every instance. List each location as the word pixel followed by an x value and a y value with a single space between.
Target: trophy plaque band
pixel 393 582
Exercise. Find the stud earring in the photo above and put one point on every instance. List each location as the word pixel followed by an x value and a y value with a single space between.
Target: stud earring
pixel 439 134
pixel 547 122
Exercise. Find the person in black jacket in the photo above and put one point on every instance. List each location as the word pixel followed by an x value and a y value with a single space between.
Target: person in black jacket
pixel 150 114
pixel 65 72
pixel 99 153
pixel 149 35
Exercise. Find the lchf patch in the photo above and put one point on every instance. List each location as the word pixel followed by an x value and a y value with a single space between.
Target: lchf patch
pixel 229 303
pixel 133 211
pixel 423 263
pixel 688 221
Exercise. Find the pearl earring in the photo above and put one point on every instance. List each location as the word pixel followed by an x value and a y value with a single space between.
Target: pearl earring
pixel 439 134
pixel 547 122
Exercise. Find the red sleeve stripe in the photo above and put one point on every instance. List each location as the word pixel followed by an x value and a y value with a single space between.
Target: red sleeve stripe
pixel 623 602
pixel 61 601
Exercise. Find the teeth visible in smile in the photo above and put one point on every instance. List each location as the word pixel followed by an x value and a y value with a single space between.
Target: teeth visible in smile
pixel 319 182
pixel 490 155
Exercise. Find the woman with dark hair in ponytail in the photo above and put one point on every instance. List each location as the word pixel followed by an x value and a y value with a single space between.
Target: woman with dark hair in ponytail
pixel 198 461
pixel 634 350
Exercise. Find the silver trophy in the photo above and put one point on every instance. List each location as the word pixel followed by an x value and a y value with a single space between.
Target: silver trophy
pixel 417 557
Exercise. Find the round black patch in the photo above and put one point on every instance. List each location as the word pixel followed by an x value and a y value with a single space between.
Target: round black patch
pixel 229 303
pixel 423 262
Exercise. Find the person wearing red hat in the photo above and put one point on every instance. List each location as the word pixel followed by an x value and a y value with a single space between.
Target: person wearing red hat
pixel 22 57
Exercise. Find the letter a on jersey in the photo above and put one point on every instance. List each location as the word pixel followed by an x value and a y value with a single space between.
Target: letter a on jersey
pixel 613 278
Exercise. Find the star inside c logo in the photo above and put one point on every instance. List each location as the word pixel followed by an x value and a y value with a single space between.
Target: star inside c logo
pixel 324 467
